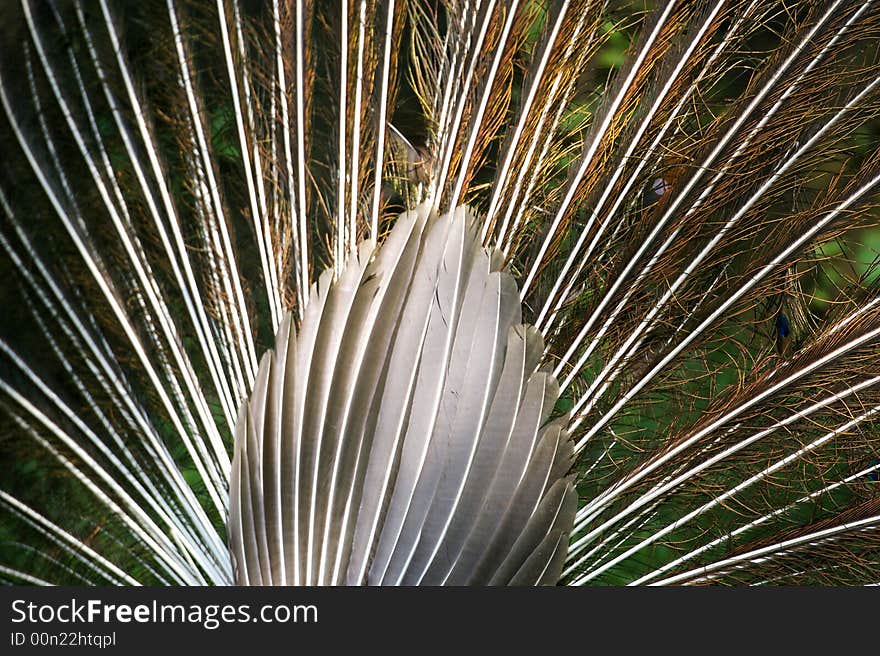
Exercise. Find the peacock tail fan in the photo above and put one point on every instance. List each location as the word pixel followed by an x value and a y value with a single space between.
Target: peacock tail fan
pixel 440 292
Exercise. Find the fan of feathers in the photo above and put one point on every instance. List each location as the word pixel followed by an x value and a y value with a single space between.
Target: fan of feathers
pixel 440 292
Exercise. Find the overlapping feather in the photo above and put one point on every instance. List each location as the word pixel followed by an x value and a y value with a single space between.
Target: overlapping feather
pixel 363 428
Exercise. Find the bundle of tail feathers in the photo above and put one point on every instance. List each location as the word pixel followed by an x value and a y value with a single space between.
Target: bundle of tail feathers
pixel 440 292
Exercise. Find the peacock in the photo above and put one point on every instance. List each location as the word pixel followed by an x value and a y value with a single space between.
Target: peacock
pixel 440 292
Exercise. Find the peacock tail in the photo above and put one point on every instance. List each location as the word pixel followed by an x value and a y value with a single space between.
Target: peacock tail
pixel 440 292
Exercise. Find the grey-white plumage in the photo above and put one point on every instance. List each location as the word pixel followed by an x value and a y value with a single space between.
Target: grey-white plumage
pixel 400 436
